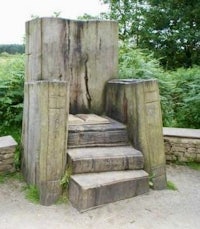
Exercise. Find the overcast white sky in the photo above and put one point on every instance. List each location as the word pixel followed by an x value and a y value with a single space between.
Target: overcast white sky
pixel 14 14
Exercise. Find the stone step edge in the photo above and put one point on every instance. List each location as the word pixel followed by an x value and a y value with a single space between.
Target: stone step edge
pixel 85 153
pixel 98 145
pixel 118 150
pixel 104 159
pixel 142 179
pixel 145 175
pixel 98 157
pixel 112 125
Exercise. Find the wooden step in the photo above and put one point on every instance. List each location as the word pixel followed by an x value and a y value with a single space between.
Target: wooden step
pixel 86 119
pixel 94 189
pixel 111 133
pixel 99 159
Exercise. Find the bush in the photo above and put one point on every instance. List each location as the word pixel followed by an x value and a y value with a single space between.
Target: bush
pixel 179 90
pixel 11 91
pixel 137 63
pixel 186 97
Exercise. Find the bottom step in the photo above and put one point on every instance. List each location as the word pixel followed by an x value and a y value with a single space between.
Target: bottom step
pixel 90 190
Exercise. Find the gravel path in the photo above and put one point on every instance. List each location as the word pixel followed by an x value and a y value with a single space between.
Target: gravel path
pixel 157 209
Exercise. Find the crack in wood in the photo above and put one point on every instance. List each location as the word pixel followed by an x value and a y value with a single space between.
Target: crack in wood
pixel 88 96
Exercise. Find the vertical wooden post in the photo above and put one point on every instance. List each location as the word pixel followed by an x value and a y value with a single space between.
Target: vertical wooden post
pixel 137 103
pixel 45 138
pixel 46 107
pixel 47 50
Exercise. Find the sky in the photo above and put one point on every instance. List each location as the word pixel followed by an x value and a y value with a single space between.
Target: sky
pixel 14 14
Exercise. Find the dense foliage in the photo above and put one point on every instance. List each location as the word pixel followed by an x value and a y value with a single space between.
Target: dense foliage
pixel 137 63
pixel 186 97
pixel 179 90
pixel 171 28
pixel 11 90
pixel 11 98
pixel 12 48
pixel 129 14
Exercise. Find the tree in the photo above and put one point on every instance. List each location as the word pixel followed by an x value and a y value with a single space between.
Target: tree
pixel 129 14
pixel 12 48
pixel 171 28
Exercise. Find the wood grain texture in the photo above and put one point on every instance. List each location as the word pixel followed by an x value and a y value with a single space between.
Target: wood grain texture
pixel 33 50
pixel 94 61
pixel 137 103
pixel 46 137
pixel 84 52
pixel 113 133
pixel 104 159
pixel 94 189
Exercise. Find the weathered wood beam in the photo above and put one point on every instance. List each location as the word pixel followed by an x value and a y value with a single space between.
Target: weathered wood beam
pixel 137 103
pixel 45 137
pixel 84 52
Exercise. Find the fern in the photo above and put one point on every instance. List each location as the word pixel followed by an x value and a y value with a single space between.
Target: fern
pixel 11 90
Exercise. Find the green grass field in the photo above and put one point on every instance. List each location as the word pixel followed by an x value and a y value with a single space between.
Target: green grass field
pixel 10 64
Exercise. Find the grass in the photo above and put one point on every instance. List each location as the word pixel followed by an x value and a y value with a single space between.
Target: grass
pixel 191 164
pixel 32 194
pixel 171 186
pixel 5 57
pixel 63 199
pixel 66 178
pixel 10 176
pixel 2 179
pixel 7 64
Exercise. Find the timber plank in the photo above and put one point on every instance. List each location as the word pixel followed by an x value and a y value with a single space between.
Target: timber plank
pixel 102 159
pixel 94 189
pixel 97 134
